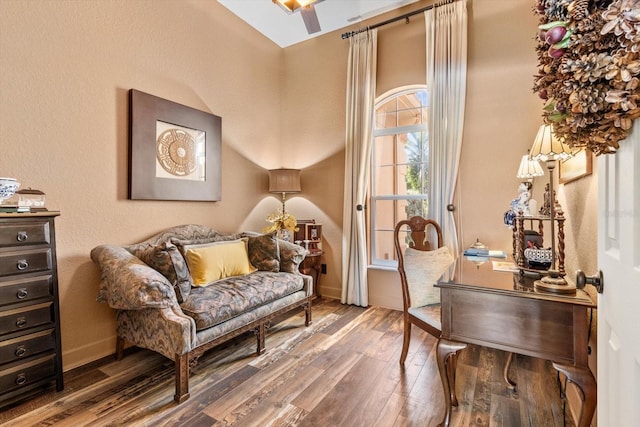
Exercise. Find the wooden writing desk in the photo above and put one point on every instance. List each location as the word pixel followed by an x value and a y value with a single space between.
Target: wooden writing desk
pixel 502 310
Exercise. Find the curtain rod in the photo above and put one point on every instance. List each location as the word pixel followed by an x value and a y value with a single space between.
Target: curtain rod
pixel 397 18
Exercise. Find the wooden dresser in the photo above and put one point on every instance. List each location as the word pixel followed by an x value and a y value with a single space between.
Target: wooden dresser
pixel 30 351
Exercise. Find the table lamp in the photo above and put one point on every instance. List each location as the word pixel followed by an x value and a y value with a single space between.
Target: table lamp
pixel 529 168
pixel 547 147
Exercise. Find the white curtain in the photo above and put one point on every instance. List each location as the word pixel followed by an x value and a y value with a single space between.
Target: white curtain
pixel 446 32
pixel 361 89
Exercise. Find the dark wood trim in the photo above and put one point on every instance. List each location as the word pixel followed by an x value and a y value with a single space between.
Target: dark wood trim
pixel 183 361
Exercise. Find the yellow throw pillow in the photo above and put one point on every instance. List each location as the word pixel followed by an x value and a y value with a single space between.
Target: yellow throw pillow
pixel 217 260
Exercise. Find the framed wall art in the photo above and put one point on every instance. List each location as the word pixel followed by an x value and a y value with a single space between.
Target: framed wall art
pixel 575 167
pixel 174 150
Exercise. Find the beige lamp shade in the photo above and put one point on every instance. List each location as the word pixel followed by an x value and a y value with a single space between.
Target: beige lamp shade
pixel 529 168
pixel 548 147
pixel 284 181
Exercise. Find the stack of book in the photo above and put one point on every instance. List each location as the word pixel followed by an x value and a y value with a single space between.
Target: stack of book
pixel 485 253
pixel 14 209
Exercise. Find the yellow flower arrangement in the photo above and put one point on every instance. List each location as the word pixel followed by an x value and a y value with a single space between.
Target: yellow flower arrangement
pixel 281 220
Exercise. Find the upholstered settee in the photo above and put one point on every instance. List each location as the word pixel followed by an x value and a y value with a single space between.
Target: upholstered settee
pixel 190 288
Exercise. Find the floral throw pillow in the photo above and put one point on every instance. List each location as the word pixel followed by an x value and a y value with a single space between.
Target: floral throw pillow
pixel 291 255
pixel 263 252
pixel 168 261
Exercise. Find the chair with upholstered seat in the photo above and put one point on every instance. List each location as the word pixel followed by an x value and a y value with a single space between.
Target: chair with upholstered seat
pixel 421 264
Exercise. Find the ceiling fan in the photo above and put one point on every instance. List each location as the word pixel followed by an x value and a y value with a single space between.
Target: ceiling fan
pixel 306 9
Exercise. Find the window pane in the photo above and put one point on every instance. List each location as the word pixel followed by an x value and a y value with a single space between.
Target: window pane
pixel 386 215
pixel 398 169
pixel 417 207
pixel 409 117
pixel 405 110
pixel 389 212
pixel 384 246
pixel 412 175
pixel 383 180
pixel 383 149
pixel 386 115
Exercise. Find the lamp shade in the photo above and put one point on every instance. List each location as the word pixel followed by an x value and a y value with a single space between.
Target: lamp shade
pixel 284 181
pixel 529 168
pixel 547 146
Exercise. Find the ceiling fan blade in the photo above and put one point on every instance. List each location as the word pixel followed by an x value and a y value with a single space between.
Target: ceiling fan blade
pixel 310 19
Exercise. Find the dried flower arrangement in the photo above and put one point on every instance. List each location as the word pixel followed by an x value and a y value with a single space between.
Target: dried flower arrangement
pixel 589 70
pixel 281 220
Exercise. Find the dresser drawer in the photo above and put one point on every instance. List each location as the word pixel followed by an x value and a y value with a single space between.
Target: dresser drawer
pixel 23 318
pixel 19 233
pixel 25 261
pixel 26 346
pixel 29 289
pixel 15 376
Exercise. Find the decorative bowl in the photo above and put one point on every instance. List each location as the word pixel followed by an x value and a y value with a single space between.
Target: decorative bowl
pixel 8 187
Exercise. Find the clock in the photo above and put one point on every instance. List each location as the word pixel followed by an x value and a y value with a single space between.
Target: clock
pixel 175 151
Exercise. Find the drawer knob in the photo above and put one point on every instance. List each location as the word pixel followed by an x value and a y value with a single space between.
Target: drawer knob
pixel 21 351
pixel 21 378
pixel 22 264
pixel 21 322
pixel 22 236
pixel 22 293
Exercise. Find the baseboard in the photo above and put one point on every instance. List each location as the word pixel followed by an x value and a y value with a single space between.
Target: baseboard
pixel 88 353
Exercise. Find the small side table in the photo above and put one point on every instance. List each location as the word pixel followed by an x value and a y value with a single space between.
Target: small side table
pixel 312 266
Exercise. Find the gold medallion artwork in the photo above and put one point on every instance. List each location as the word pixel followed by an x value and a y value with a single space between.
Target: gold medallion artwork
pixel 175 150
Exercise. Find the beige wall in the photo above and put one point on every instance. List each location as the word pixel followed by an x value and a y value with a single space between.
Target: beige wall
pixel 66 67
pixel 502 116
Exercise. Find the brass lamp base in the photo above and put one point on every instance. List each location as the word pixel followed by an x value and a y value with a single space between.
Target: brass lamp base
pixel 554 283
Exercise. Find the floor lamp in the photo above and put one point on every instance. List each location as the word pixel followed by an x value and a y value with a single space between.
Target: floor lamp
pixel 284 181
pixel 548 148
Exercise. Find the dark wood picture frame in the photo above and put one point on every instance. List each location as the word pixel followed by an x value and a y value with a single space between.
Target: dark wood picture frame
pixel 575 167
pixel 145 113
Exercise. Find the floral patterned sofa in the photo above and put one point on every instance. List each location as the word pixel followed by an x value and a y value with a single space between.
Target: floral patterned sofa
pixel 163 306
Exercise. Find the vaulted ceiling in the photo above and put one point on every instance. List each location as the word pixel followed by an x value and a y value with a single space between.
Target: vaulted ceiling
pixel 288 29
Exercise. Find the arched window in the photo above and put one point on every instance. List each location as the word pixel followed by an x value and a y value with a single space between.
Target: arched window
pixel 399 163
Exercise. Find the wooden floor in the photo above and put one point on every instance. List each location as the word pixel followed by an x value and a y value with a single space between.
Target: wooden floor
pixel 341 371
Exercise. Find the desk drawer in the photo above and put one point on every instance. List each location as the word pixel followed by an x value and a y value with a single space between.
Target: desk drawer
pixel 21 375
pixel 25 233
pixel 22 290
pixel 26 317
pixel 26 261
pixel 26 346
pixel 529 326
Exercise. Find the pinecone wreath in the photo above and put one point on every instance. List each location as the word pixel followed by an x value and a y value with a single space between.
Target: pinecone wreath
pixel 589 70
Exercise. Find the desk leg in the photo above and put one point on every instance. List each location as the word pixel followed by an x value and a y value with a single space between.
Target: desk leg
pixel 511 385
pixel 583 378
pixel 446 354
